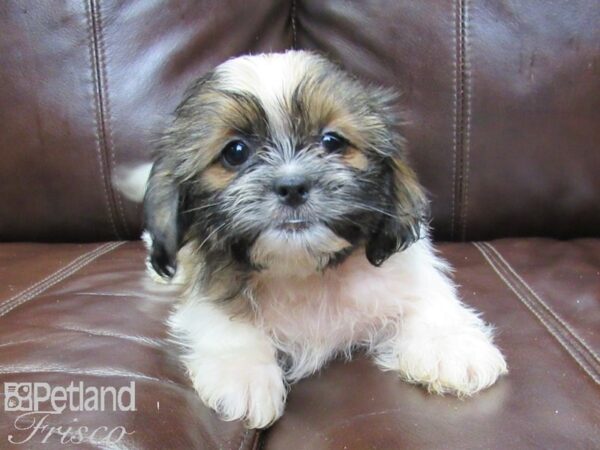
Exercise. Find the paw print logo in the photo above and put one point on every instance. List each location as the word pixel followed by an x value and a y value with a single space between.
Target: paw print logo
pixel 18 397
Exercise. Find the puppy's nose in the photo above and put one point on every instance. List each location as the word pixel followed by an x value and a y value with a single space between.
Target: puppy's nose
pixel 292 190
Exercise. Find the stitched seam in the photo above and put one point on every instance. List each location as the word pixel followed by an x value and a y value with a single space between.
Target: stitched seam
pixel 60 276
pixel 54 278
pixel 99 116
pixel 466 132
pixel 572 341
pixel 242 442
pixel 109 141
pixel 553 331
pixel 47 278
pixel 455 66
pixel 590 370
pixel 571 345
pixel 257 442
pixel 460 117
pixel 542 303
pixel 293 22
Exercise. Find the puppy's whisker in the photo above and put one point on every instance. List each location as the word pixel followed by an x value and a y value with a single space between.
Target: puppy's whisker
pixel 211 234
pixel 372 209
pixel 200 208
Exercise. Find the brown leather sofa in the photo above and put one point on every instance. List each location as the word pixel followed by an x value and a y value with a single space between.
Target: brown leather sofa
pixel 503 106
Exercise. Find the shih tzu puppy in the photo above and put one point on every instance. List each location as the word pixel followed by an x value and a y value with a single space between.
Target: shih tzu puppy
pixel 282 199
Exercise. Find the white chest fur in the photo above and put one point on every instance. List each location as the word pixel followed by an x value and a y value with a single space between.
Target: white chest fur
pixel 312 317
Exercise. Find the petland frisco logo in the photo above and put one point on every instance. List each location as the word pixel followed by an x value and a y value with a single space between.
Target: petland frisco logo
pixel 35 402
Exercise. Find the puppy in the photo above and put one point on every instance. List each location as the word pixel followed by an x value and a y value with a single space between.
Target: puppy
pixel 282 199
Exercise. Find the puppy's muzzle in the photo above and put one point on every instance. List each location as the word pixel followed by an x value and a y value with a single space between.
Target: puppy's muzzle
pixel 292 190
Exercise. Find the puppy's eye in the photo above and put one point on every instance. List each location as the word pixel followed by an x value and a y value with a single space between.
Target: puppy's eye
pixel 235 153
pixel 332 142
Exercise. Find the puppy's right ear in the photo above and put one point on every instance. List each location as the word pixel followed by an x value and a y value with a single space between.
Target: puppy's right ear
pixel 162 217
pixel 165 218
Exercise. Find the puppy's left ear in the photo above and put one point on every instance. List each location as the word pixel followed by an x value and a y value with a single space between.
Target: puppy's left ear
pixel 404 216
pixel 404 207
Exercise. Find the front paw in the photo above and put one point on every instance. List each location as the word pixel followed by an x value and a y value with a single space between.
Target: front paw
pixel 238 390
pixel 460 363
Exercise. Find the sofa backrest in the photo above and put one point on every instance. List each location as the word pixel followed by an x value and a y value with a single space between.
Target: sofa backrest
pixel 502 101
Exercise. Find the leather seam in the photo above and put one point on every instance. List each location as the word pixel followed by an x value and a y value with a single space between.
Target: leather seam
pixel 544 304
pixel 47 278
pixel 579 355
pixel 293 23
pixel 101 144
pixel 466 132
pixel 257 442
pixel 564 340
pixel 455 102
pixel 58 276
pixel 109 140
pixel 461 121
pixel 243 441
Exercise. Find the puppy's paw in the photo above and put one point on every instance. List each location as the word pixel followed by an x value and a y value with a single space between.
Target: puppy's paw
pixel 460 363
pixel 253 392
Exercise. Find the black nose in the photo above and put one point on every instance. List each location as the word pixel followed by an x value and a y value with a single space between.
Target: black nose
pixel 292 190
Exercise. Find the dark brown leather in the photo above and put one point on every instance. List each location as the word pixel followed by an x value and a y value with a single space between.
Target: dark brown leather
pixel 84 86
pixel 100 320
pixel 502 101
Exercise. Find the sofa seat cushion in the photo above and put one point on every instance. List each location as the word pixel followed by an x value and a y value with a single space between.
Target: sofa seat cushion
pixel 89 314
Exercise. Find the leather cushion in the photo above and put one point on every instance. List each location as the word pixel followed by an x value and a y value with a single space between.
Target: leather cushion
pixel 93 315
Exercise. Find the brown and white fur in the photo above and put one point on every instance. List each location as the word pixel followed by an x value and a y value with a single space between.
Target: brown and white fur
pixel 274 289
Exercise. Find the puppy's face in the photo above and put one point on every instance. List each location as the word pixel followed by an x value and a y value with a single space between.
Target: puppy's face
pixel 282 162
